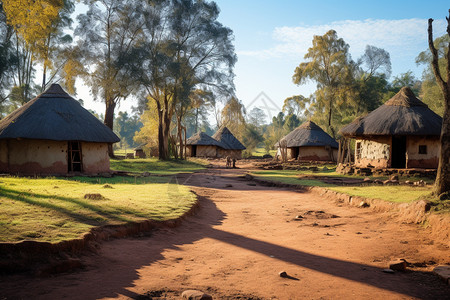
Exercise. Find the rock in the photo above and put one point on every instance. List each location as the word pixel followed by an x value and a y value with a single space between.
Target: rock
pixel 248 177
pixel 408 182
pixel 390 271
pixel 325 169
pixel 394 177
pixel 443 272
pixel 283 274
pixel 367 180
pixel 106 175
pixel 363 204
pixel 386 182
pixel 228 185
pixel 397 265
pixel 195 295
pixel 298 218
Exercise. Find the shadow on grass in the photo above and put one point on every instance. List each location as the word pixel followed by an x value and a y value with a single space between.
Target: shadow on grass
pixel 30 198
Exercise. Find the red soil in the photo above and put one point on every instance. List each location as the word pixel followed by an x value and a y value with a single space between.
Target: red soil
pixel 242 236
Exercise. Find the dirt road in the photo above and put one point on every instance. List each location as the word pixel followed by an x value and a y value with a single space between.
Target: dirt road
pixel 242 236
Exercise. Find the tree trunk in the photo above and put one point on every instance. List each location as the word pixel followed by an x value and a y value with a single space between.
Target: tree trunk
pixel 109 121
pixel 180 136
pixel 442 183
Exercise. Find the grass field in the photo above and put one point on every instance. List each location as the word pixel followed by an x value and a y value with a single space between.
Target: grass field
pixel 56 209
pixel 155 166
pixel 389 193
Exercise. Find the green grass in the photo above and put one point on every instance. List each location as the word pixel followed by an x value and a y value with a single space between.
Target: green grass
pixel 393 193
pixel 155 166
pixel 288 177
pixel 262 151
pixel 55 209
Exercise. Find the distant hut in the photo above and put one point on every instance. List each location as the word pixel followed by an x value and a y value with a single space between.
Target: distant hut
pixel 309 142
pixel 402 133
pixel 230 145
pixel 202 145
pixel 139 152
pixel 54 135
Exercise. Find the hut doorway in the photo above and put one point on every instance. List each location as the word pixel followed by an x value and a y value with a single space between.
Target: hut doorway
pixel 74 156
pixel 194 151
pixel 295 152
pixel 398 152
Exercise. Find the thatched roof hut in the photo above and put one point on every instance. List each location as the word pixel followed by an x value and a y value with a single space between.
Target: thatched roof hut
pixel 227 139
pixel 403 114
pixel 309 142
pixel 202 139
pixel 54 134
pixel 401 133
pixel 223 143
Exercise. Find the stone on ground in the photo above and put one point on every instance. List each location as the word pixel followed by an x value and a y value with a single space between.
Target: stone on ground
pixel 443 272
pixel 195 295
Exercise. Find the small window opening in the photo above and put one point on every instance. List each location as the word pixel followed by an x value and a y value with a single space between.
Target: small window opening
pixel 422 149
pixel 358 150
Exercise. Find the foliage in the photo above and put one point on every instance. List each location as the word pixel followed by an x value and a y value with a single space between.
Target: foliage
pixel 106 33
pixel 442 184
pixel 430 92
pixel 126 127
pixel 183 48
pixel 328 63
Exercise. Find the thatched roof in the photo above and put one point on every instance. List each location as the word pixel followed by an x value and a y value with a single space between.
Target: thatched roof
pixel 403 114
pixel 308 134
pixel 227 139
pixel 54 115
pixel 202 139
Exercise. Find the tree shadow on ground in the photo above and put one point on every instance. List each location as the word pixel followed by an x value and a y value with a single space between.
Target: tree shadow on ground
pixel 133 254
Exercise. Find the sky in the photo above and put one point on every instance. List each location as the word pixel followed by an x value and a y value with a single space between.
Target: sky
pixel 272 37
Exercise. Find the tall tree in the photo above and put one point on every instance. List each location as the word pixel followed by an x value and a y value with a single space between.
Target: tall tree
pixel 107 33
pixel 233 117
pixel 430 92
pixel 8 60
pixel 330 66
pixel 442 184
pixel 185 48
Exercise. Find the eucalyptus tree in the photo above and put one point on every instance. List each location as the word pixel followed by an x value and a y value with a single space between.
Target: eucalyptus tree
pixel 7 57
pixel 185 48
pixel 329 64
pixel 107 32
pixel 442 184
pixel 39 37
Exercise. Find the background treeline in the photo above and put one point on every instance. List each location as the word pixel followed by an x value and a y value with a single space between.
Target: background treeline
pixel 174 61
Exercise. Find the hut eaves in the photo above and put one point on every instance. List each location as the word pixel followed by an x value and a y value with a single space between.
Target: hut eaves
pixel 54 115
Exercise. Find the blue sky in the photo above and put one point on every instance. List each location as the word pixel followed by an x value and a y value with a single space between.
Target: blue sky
pixel 271 38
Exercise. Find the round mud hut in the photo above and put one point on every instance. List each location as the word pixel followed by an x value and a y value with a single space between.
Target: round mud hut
pixel 202 145
pixel 54 135
pixel 402 133
pixel 308 142
pixel 229 144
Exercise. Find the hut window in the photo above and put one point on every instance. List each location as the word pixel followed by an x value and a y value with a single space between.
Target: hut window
pixel 422 149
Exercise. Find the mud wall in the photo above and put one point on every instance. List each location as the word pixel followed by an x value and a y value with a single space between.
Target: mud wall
pixel 29 157
pixel 430 159
pixel 374 152
pixel 314 153
pixel 95 158
pixel 44 157
pixel 203 151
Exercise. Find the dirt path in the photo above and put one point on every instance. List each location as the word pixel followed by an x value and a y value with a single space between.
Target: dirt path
pixel 241 238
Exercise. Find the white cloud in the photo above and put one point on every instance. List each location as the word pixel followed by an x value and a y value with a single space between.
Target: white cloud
pixel 399 37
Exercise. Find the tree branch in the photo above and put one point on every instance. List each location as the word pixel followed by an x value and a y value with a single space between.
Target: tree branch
pixel 435 58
